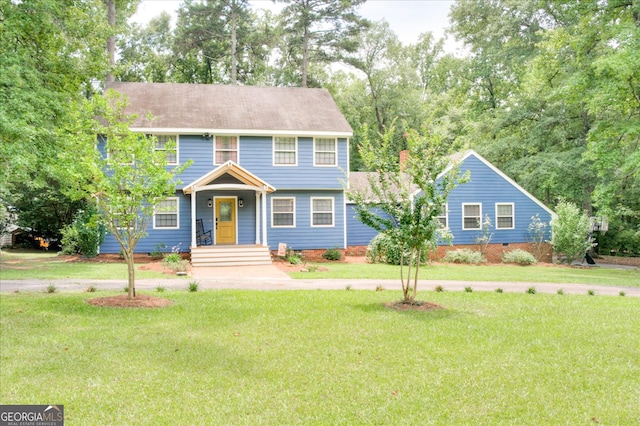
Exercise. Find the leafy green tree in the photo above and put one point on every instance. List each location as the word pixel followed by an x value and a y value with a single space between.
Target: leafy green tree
pixel 221 41
pixel 129 180
pixel 570 232
pixel 50 51
pixel 410 196
pixel 145 53
pixel 319 31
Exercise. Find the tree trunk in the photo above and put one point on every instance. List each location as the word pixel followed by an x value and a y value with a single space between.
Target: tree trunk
pixel 111 41
pixel 234 46
pixel 131 274
pixel 305 57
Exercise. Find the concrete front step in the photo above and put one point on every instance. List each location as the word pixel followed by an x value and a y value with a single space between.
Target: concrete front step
pixel 230 256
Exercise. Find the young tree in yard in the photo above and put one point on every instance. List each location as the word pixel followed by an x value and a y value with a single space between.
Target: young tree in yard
pixel 570 232
pixel 410 196
pixel 129 180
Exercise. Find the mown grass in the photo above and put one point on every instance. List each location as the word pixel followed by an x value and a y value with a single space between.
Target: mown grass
pixel 501 273
pixel 21 265
pixel 325 357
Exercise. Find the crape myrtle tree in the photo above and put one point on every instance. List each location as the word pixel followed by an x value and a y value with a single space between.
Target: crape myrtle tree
pixel 129 180
pixel 405 199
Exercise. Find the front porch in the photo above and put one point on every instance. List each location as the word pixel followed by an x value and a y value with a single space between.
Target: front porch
pixel 229 218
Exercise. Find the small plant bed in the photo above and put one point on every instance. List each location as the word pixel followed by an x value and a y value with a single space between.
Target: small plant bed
pixel 412 305
pixel 122 301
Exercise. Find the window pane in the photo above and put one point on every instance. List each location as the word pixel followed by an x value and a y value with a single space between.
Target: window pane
pixel 472 210
pixel 285 157
pixel 283 219
pixel 224 156
pixel 505 222
pixel 282 206
pixel 285 144
pixel 471 223
pixel 322 205
pixel 225 211
pixel 166 220
pixel 322 218
pixel 325 145
pixel 504 209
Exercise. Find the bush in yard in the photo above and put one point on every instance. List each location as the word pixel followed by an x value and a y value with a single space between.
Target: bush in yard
pixel 464 256
pixel 570 232
pixel 521 257
pixel 332 254
pixel 85 234
pixel 383 249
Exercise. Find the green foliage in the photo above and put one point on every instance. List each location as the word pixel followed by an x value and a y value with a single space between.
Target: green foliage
pixel 570 232
pixel 404 202
pixel 521 257
pixel 332 254
pixel 531 290
pixel 384 249
pixel 85 234
pixel 468 289
pixel 485 238
pixel 464 256
pixel 193 286
pixel 537 231
pixel 127 183
pixel 292 257
pixel 51 288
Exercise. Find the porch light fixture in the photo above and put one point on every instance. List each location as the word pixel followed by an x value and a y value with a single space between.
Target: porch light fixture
pixel 240 202
pixel 206 135
pixel 209 202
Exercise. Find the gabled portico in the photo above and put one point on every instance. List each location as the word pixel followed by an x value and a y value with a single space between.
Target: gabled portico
pixel 230 179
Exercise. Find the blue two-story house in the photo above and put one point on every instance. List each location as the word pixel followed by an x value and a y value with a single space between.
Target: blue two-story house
pixel 267 168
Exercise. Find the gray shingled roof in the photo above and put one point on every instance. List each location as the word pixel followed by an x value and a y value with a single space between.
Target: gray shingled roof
pixel 215 107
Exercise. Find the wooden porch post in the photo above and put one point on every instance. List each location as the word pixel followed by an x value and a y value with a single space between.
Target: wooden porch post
pixel 257 218
pixel 193 219
pixel 264 217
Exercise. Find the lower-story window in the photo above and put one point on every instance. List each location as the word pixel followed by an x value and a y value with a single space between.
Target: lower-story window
pixel 322 211
pixel 166 214
pixel 283 212
pixel 471 216
pixel 504 216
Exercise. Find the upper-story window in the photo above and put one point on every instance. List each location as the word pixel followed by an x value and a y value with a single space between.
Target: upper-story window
pixel 285 151
pixel 166 214
pixel 325 152
pixel 226 148
pixel 472 216
pixel 161 145
pixel 504 216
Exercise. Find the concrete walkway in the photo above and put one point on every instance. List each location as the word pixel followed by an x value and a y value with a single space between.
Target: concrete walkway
pixel 269 277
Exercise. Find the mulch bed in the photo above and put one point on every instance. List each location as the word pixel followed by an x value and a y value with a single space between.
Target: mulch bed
pixel 123 301
pixel 415 305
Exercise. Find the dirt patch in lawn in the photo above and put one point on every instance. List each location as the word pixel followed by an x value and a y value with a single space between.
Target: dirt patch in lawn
pixel 123 301
pixel 415 305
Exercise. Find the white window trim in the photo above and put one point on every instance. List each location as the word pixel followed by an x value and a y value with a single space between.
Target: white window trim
pixel 177 139
pixel 333 212
pixel 177 200
pixel 315 151
pixel 513 216
pixel 214 137
pixel 273 151
pixel 446 215
pixel 479 217
pixel 294 212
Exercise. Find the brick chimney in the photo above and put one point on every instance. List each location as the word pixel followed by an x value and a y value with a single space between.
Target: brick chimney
pixel 404 156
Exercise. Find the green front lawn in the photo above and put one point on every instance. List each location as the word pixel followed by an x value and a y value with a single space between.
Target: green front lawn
pixel 325 357
pixel 22 265
pixel 502 273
